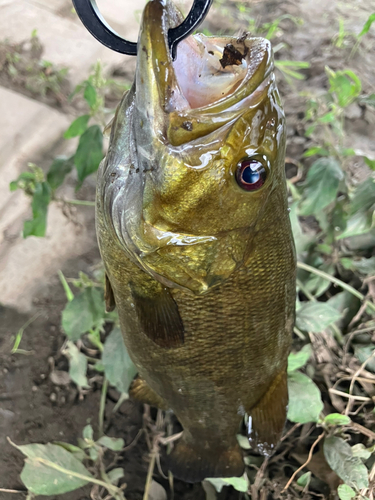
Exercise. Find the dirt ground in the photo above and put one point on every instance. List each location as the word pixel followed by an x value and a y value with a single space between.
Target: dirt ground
pixel 32 408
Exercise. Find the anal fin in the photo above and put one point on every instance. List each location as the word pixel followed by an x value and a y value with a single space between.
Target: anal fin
pixel 141 391
pixel 267 418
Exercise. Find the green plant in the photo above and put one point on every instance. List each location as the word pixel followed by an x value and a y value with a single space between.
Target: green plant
pixel 42 187
pixel 348 38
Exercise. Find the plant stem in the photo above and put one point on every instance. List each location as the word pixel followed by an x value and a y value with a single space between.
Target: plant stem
pixel 149 474
pixel 79 202
pixel 336 281
pixel 299 333
pixel 102 406
pixel 89 479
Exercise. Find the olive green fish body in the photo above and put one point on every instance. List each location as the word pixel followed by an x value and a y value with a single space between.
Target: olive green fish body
pixel 202 270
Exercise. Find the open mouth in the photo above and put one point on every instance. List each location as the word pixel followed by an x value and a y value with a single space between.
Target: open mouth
pixel 209 69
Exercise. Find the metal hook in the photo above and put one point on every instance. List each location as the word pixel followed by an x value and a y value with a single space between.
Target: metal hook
pixel 91 17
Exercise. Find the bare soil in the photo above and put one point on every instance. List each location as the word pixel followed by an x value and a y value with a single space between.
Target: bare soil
pixel 32 408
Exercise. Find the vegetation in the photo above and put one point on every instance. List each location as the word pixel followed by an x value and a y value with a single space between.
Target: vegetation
pixel 331 370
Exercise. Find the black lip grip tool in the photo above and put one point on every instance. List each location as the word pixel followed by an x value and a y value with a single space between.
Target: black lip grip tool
pixel 94 22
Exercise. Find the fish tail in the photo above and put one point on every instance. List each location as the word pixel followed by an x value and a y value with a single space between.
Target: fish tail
pixel 191 462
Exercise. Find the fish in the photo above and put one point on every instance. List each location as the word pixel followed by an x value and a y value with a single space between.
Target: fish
pixel 193 228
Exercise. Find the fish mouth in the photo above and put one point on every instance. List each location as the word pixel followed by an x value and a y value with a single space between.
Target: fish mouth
pixel 210 74
pixel 210 70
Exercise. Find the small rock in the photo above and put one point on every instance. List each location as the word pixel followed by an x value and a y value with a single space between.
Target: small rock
pixel 60 377
pixel 34 388
pixel 353 112
pixel 53 397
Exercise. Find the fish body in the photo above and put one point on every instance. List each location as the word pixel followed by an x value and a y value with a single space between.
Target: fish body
pixel 194 231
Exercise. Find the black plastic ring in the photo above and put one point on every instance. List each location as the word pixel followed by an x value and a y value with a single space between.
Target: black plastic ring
pixel 91 17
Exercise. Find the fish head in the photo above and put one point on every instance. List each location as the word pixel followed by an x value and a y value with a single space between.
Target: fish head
pixel 197 149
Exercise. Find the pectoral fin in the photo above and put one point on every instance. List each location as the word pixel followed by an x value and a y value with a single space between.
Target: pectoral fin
pixel 159 317
pixel 267 418
pixel 109 297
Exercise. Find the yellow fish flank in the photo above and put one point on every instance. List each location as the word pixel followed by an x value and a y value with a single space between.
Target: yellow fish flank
pixel 194 232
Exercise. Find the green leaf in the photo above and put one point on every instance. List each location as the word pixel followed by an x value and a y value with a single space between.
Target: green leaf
pixel 301 239
pixel 77 127
pixel 115 474
pixel 77 452
pixel 328 118
pixel 345 84
pixel 305 404
pixel 359 450
pixel 364 353
pixel 321 186
pixel 359 223
pixel 59 169
pixel 337 419
pixel 299 359
pixel 114 444
pixel 340 458
pixel 77 365
pixel 40 474
pixel 243 441
pixel 316 316
pixel 315 151
pixel 119 368
pixel 369 100
pixel 364 266
pixel 88 432
pixel 316 284
pixel 83 313
pixel 238 483
pixel 363 197
pixel 89 152
pixel 367 25
pixel 345 492
pixel 90 94
pixel 304 480
pixel 24 176
pixel 41 198
pixel 369 162
pixel 345 303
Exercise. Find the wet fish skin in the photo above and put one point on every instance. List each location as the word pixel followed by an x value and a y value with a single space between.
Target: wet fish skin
pixel 202 272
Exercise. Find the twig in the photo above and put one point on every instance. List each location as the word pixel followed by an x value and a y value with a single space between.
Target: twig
pixel 290 431
pixel 363 430
pixel 150 473
pixel 77 202
pixel 299 334
pixel 306 463
pixel 135 440
pixel 354 378
pixel 102 406
pixel 346 395
pixel 258 478
pixel 336 281
pixel 4 490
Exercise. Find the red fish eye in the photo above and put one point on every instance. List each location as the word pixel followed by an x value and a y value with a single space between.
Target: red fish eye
pixel 251 174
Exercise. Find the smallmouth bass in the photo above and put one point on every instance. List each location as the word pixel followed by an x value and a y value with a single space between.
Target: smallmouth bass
pixel 194 231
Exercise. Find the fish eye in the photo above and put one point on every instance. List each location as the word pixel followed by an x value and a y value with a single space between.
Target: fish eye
pixel 251 174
